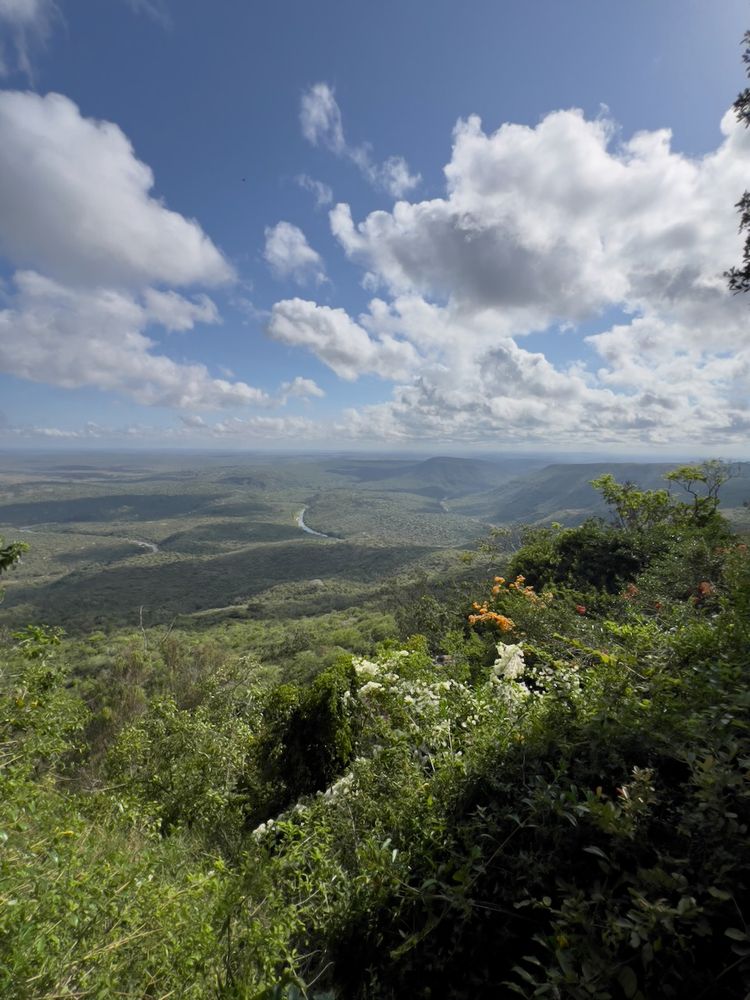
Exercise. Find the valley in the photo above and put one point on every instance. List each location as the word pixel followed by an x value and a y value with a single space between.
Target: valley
pixel 116 540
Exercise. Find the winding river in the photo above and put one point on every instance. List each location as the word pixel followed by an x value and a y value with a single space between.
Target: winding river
pixel 301 524
pixel 144 545
pixel 149 546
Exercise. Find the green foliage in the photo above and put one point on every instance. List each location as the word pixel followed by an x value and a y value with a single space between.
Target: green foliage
pixel 551 801
pixel 305 741
pixel 184 767
pixel 595 555
pixel 10 554
pixel 738 278
pixel 703 482
pixel 95 904
pixel 39 716
pixel 636 509
pixel 643 510
pixel 605 557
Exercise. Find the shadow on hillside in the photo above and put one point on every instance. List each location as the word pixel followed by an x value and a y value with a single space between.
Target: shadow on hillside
pixel 190 584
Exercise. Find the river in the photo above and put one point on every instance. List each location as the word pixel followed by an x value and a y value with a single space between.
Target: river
pixel 33 529
pixel 301 524
pixel 144 545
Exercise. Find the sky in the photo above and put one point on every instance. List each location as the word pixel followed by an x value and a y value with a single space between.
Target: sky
pixel 488 225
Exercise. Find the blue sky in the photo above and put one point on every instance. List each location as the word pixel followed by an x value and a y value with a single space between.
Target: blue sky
pixel 254 225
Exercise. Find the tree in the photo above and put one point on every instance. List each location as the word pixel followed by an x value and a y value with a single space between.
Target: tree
pixel 9 556
pixel 739 277
pixel 703 483
pixel 642 510
pixel 636 509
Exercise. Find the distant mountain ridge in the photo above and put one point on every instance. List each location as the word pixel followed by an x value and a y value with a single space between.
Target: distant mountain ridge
pixel 563 492
pixel 440 477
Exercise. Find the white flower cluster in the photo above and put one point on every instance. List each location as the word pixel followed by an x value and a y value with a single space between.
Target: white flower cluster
pixel 434 711
pixel 260 831
pixel 339 788
pixel 424 697
pixel 385 672
pixel 509 664
pixel 563 679
pixel 365 668
pixel 508 673
pixel 369 687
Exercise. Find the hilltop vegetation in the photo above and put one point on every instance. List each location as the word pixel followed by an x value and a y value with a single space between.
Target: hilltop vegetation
pixel 539 788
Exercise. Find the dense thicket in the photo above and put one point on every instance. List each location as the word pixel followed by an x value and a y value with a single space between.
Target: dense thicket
pixel 544 791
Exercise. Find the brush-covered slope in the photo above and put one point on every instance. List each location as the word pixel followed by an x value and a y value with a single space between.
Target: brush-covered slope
pixel 563 492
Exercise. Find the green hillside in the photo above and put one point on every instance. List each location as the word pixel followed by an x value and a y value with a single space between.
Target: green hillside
pixel 563 492
pixel 439 477
pixel 534 784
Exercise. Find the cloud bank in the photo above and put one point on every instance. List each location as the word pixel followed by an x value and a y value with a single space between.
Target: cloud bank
pixel 91 246
pixel 541 230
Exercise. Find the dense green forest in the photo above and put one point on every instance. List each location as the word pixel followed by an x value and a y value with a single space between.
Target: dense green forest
pixel 533 785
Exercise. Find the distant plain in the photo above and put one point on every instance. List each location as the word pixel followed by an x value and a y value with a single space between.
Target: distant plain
pixel 123 539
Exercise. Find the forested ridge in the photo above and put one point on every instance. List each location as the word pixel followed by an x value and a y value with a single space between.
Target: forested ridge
pixel 537 785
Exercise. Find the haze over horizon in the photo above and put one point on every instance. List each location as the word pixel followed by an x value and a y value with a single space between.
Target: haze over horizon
pixel 426 229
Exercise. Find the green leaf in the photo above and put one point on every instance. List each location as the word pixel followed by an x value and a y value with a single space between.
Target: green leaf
pixel 718 893
pixel 628 980
pixel 520 971
pixel 736 934
pixel 597 851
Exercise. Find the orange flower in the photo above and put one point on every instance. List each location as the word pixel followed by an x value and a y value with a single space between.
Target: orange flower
pixel 503 623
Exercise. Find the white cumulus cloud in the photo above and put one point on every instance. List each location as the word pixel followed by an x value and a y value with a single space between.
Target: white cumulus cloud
pixel 92 245
pixel 77 204
pixel 541 229
pixel 301 388
pixel 74 337
pixel 339 342
pixel 289 255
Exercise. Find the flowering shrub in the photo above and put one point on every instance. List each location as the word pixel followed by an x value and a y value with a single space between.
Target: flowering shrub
pixel 569 819
pixel 484 614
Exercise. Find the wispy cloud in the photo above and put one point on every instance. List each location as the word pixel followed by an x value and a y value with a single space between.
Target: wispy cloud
pixel 27 25
pixel 322 192
pixel 158 10
pixel 322 125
